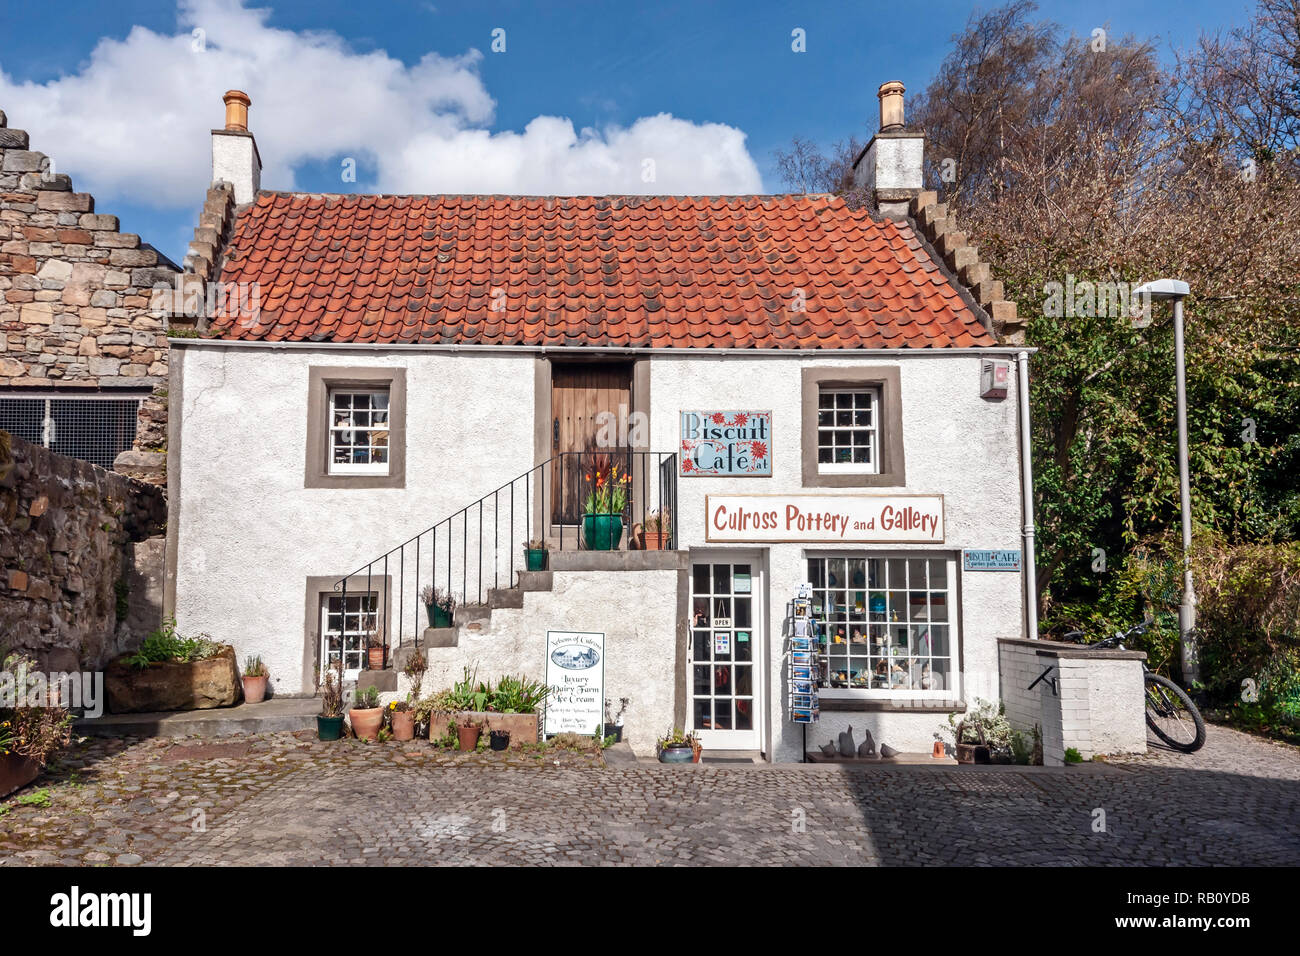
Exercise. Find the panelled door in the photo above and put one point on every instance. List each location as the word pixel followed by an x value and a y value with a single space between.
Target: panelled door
pixel 726 658
pixel 579 396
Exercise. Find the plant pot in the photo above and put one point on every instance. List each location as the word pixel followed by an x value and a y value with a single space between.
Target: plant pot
pixel 535 559
pixel 403 725
pixel 366 722
pixel 438 617
pixel 974 753
pixel 329 728
pixel 254 690
pixel 467 736
pixel 615 731
pixel 16 772
pixel 602 532
pixel 499 739
pixel 684 753
pixel 375 658
pixel 654 540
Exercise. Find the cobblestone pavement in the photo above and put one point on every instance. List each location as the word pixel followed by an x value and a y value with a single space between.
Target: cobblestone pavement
pixel 289 799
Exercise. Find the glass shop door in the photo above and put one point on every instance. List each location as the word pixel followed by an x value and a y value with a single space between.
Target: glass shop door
pixel 725 655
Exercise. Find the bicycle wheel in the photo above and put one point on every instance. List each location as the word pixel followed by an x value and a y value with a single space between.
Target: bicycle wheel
pixel 1172 716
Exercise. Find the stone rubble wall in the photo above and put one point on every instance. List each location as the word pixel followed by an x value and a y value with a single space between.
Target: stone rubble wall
pixel 75 295
pixel 81 558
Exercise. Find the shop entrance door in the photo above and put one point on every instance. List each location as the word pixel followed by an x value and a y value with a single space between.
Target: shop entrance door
pixel 725 669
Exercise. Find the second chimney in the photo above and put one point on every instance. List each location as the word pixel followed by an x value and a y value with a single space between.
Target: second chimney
pixel 235 159
pixel 890 168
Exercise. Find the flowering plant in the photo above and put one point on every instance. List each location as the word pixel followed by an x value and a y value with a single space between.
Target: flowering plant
pixel 609 494
pixel 36 731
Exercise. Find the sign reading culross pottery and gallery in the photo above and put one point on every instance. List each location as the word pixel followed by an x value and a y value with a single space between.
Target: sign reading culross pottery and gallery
pixel 575 673
pixel 738 444
pixel 904 519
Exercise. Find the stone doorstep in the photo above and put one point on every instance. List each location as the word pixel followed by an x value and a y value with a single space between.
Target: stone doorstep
pixel 276 714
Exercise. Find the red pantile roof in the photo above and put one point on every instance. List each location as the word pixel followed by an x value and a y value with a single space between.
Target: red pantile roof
pixel 623 271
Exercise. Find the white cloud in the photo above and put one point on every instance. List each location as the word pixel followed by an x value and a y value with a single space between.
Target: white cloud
pixel 134 121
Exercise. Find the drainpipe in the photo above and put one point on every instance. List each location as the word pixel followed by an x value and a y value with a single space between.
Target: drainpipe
pixel 1027 498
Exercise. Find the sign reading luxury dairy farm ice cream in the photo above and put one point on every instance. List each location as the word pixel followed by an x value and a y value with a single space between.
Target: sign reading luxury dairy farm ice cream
pixel 825 518
pixel 575 673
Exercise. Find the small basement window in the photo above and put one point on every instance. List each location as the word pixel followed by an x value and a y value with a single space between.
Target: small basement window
pixel 90 427
pixel 358 432
pixel 347 623
pixel 848 435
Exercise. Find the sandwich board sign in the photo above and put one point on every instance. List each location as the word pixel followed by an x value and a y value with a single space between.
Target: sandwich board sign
pixel 575 673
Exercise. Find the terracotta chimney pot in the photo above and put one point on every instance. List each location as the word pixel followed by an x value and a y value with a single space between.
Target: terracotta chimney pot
pixel 891 105
pixel 237 104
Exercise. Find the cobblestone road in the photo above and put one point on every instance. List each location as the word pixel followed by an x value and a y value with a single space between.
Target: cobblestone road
pixel 288 799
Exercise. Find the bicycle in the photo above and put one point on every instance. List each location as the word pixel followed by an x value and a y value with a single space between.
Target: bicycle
pixel 1170 713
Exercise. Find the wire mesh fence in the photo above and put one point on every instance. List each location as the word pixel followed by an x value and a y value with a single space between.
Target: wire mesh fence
pixel 94 429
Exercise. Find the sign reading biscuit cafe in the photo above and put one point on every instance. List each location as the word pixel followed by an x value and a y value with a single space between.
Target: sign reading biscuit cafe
pixel 904 519
pixel 726 443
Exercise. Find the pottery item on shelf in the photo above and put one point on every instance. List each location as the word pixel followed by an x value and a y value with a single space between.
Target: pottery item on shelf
pixel 829 750
pixel 938 753
pixel 887 751
pixel 847 749
pixel 868 746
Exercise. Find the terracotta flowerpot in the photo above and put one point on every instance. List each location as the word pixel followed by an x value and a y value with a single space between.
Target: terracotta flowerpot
pixel 375 657
pixel 254 690
pixel 403 725
pixel 655 540
pixel 16 772
pixel 366 722
pixel 467 736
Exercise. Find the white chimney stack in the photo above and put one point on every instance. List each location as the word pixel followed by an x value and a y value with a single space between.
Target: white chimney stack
pixel 890 168
pixel 235 159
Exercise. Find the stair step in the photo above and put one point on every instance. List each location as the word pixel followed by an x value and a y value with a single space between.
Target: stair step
pixel 535 581
pixel 382 681
pixel 505 597
pixel 472 612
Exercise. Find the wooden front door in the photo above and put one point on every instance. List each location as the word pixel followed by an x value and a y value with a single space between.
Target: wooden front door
pixel 581 398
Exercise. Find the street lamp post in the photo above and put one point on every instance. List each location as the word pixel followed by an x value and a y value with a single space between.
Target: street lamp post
pixel 1176 291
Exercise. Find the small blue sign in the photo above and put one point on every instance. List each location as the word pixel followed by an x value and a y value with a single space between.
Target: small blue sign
pixel 732 443
pixel 990 560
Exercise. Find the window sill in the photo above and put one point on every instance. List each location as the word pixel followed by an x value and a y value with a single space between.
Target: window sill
pixel 936 705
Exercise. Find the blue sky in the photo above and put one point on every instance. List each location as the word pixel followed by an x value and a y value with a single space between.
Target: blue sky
pixel 118 94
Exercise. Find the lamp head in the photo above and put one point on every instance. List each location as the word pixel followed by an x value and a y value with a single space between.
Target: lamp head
pixel 1164 289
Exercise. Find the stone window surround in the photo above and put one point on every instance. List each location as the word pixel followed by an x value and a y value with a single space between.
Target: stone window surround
pixel 319 586
pixel 322 378
pixel 883 378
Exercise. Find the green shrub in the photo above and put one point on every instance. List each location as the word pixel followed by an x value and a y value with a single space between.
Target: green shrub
pixel 165 644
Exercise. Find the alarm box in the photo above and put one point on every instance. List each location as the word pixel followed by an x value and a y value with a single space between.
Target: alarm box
pixel 995 378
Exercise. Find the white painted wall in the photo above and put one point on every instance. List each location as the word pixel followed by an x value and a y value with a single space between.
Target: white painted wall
pixel 250 534
pixel 636 611
pixel 955 444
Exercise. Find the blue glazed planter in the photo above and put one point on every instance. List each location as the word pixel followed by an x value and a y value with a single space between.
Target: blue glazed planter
pixel 676 755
